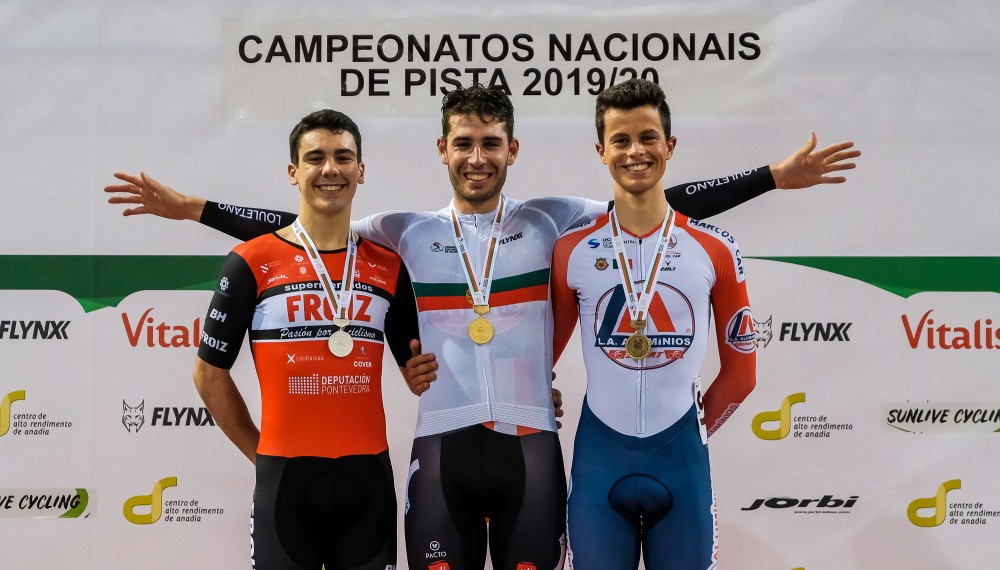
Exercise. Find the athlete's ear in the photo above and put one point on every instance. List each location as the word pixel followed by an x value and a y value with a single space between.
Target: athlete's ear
pixel 443 149
pixel 512 151
pixel 671 143
pixel 292 169
pixel 600 151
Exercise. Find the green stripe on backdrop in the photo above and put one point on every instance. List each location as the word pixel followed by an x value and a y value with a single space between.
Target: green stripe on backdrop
pixel 907 276
pixel 98 281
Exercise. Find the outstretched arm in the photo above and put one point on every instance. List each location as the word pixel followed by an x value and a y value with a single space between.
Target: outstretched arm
pixel 803 168
pixel 808 167
pixel 155 198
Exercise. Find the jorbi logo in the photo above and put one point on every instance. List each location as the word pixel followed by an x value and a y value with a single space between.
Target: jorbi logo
pixel 5 410
pixel 938 502
pixel 154 501
pixel 782 415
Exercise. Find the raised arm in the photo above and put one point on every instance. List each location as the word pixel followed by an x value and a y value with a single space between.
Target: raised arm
pixel 804 168
pixel 153 197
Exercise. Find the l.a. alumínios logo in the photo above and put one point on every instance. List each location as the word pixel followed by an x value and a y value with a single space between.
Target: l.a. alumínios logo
pixel 45 503
pixel 934 511
pixel 926 332
pixel 34 330
pixel 147 509
pixel 670 326
pixel 25 423
pixel 801 426
pixel 740 334
pixel 941 417
pixel 151 332
pixel 827 504
pixel 134 416
pixel 802 331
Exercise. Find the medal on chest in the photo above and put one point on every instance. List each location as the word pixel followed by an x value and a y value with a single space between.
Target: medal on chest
pixel 340 343
pixel 638 346
pixel 481 330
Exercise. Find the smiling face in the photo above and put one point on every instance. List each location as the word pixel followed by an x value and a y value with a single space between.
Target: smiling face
pixel 635 149
pixel 477 153
pixel 327 171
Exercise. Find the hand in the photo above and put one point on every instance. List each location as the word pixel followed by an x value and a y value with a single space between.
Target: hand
pixel 805 168
pixel 557 402
pixel 154 198
pixel 419 371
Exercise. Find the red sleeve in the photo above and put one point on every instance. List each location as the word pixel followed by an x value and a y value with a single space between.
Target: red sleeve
pixel 564 306
pixel 734 332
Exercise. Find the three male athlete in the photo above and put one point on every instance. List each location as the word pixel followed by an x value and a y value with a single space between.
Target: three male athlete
pixel 485 445
pixel 640 479
pixel 319 306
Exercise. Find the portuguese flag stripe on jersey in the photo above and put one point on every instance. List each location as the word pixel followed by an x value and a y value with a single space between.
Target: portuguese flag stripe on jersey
pixel 533 286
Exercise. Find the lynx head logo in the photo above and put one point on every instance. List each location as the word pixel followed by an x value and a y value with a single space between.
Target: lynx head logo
pixel 132 416
pixel 763 330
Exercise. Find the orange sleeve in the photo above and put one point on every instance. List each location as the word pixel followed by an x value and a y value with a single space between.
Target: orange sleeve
pixel 564 305
pixel 735 335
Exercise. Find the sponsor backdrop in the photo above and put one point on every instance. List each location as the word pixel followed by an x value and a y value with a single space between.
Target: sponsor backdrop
pixel 870 441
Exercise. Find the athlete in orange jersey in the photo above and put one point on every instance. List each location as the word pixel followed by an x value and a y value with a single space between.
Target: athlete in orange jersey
pixel 318 305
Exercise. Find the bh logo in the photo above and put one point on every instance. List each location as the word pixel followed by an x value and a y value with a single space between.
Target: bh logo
pixel 5 410
pixel 153 500
pixel 783 416
pixel 938 502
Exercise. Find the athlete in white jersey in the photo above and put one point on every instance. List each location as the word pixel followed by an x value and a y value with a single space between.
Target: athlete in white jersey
pixel 486 446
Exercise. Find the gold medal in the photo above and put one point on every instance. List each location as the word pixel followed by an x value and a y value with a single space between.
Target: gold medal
pixel 480 329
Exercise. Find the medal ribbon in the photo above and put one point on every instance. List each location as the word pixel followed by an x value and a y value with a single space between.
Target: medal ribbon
pixel 638 304
pixel 480 288
pixel 340 301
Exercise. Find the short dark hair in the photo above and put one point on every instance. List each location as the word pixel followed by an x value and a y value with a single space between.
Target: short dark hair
pixel 629 95
pixel 333 121
pixel 488 103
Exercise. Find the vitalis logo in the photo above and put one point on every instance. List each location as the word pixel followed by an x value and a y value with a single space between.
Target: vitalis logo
pixel 152 333
pixel 946 336
pixel 33 330
pixel 133 417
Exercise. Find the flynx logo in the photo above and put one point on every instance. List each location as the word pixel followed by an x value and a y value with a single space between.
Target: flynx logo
pixel 782 415
pixel 938 502
pixel 152 333
pixel 5 410
pixel 926 331
pixel 154 501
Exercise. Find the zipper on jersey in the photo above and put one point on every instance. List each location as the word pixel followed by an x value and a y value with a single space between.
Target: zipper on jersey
pixel 479 257
pixel 640 380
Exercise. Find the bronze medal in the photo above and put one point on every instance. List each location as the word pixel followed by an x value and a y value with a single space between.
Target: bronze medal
pixel 638 346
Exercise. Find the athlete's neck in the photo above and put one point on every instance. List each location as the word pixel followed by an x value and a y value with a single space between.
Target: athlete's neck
pixel 327 231
pixel 641 212
pixel 463 206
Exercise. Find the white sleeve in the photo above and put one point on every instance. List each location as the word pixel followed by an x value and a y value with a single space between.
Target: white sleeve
pixel 569 212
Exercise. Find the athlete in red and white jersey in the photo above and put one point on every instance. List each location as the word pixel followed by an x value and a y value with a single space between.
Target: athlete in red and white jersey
pixel 644 281
pixel 701 275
